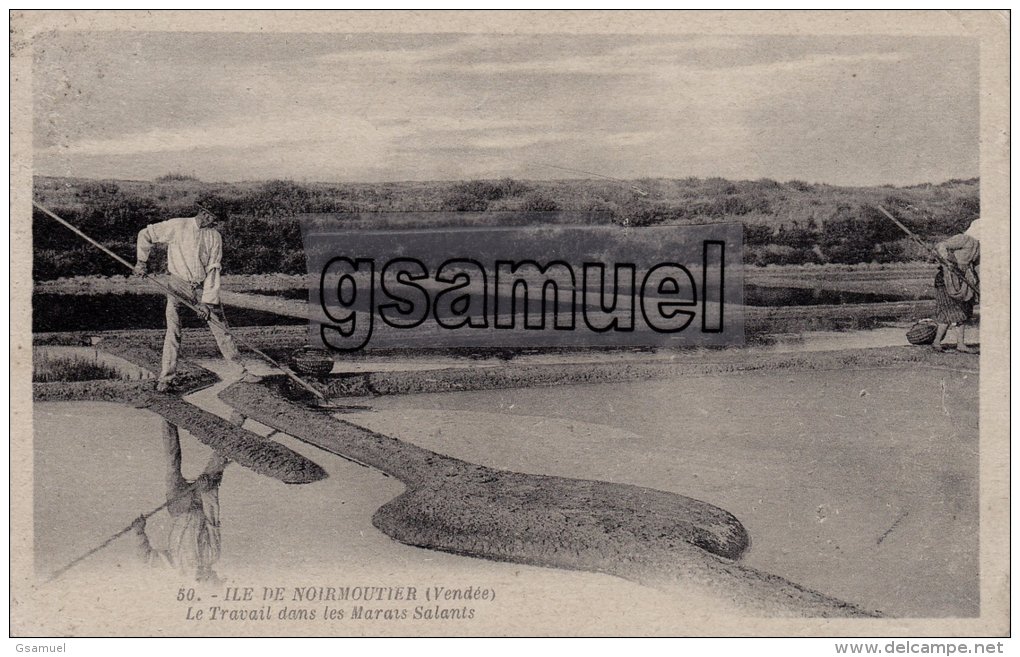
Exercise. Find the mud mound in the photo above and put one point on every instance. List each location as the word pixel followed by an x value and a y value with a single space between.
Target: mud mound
pixel 509 516
pixel 125 392
pixel 524 375
pixel 251 450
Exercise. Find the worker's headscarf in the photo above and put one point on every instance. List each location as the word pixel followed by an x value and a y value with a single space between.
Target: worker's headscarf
pixel 974 230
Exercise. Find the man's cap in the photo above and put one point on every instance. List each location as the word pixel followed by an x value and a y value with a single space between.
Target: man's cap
pixel 220 215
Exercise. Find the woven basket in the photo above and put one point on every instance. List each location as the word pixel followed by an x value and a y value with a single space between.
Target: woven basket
pixel 922 333
pixel 311 361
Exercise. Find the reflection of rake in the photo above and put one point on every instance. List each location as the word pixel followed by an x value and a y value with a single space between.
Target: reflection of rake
pixel 59 573
pixel 212 318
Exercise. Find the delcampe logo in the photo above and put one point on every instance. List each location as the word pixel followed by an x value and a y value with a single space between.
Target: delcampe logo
pixel 555 280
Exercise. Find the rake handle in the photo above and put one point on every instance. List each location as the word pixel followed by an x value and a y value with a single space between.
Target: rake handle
pixel 917 240
pixel 294 377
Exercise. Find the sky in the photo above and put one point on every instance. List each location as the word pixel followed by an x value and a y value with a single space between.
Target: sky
pixel 847 110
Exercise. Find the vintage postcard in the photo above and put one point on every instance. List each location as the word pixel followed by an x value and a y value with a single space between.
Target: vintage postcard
pixel 509 323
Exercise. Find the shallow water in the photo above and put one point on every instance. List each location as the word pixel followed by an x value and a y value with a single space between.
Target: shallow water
pixel 99 465
pixel 754 295
pixel 859 484
pixel 109 312
pixel 887 336
pixel 770 296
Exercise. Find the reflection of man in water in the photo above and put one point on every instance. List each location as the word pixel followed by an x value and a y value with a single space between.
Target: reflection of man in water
pixel 194 507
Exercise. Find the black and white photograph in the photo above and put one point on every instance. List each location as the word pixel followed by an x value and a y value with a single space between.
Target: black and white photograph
pixel 510 323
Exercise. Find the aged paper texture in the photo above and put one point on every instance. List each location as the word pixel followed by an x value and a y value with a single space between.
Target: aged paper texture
pixel 793 420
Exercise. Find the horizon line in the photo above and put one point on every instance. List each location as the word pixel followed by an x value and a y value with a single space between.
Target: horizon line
pixel 597 178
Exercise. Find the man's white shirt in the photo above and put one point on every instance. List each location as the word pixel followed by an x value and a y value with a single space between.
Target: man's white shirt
pixel 194 254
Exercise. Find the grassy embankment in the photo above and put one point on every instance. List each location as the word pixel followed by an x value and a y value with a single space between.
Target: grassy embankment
pixel 792 223
pixel 49 368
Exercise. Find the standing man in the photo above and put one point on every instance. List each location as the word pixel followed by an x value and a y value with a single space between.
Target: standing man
pixel 194 253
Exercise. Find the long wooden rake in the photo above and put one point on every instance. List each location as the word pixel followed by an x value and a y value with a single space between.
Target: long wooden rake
pixel 261 354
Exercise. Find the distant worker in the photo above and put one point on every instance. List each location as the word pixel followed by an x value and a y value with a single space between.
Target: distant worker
pixel 194 253
pixel 193 545
pixel 955 287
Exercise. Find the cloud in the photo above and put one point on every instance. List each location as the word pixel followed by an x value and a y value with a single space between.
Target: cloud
pixel 264 132
pixel 371 107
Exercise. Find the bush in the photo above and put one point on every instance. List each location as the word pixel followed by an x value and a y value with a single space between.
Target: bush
pixel 798 238
pixel 538 202
pixel 96 191
pixel 840 220
pixel 175 177
pixel 757 234
pixel 276 198
pixel 463 202
pixel 48 368
pixel 779 255
pixel 476 195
